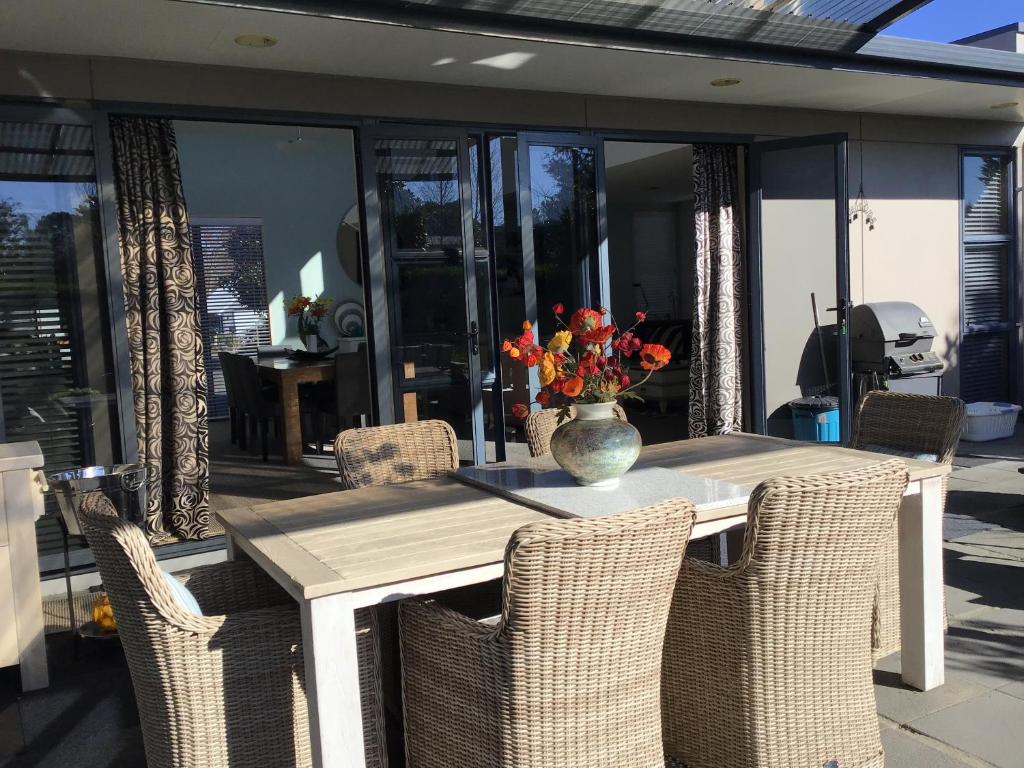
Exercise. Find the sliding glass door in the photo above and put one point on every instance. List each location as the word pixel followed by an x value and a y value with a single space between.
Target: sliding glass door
pixel 562 222
pixel 800 278
pixel 424 277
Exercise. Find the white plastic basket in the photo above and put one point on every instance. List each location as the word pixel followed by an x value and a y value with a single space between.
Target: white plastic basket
pixel 990 421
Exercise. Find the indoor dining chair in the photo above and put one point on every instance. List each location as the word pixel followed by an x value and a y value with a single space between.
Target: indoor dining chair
pixel 570 674
pixel 767 661
pixel 215 656
pixel 912 426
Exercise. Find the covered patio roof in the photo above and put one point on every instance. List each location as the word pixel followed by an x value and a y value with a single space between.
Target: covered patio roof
pixel 816 24
pixel 886 75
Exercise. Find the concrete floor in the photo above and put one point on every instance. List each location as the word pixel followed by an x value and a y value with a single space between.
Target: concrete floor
pixel 88 716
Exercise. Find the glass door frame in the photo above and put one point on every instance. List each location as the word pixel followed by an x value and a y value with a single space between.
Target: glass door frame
pixel 382 295
pixel 591 276
pixel 844 368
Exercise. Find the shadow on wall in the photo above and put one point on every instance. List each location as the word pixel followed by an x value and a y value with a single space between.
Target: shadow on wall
pixel 814 376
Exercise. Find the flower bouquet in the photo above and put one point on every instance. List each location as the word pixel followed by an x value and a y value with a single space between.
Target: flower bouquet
pixel 589 364
pixel 310 313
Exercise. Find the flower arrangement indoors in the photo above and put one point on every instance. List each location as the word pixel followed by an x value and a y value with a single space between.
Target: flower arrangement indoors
pixel 589 364
pixel 310 313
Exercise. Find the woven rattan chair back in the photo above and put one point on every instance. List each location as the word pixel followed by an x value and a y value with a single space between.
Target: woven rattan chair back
pixel 541 425
pixel 396 453
pixel 766 661
pixel 909 424
pixel 197 679
pixel 583 621
pixel 912 423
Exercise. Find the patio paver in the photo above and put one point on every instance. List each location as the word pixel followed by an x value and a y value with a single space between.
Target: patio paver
pixel 988 726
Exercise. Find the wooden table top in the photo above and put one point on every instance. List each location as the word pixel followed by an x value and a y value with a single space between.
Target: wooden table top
pixel 353 540
pixel 289 364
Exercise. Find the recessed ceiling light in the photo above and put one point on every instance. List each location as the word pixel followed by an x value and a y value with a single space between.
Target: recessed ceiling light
pixel 725 82
pixel 1005 105
pixel 256 41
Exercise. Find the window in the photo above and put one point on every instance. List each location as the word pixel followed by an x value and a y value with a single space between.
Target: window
pixel 232 294
pixel 988 290
pixel 57 383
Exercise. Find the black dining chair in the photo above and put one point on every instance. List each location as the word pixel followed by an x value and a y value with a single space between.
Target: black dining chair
pixel 234 403
pixel 257 404
pixel 347 401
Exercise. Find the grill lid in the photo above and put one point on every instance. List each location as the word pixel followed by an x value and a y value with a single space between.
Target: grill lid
pixel 897 322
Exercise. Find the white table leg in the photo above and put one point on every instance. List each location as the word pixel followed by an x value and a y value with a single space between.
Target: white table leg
pixel 332 682
pixel 921 587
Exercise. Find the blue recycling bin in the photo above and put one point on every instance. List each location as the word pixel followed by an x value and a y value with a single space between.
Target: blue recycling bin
pixel 816 418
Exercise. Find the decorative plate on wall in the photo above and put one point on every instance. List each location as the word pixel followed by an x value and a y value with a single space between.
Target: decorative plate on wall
pixel 349 319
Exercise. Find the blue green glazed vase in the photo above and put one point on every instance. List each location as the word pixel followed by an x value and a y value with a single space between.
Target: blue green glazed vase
pixel 596 448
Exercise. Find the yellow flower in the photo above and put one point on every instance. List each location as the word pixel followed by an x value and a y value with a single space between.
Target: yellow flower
pixel 547 369
pixel 513 353
pixel 560 342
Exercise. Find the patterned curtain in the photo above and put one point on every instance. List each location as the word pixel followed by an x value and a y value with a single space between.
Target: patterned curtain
pixel 164 338
pixel 716 392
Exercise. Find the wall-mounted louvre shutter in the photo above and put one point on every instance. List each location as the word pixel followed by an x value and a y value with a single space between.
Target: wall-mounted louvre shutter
pixel 233 296
pixel 984 367
pixel 986 284
pixel 986 213
pixel 987 275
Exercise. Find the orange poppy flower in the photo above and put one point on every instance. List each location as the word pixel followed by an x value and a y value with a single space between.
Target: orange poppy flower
pixel 598 335
pixel 583 320
pixel 654 356
pixel 506 345
pixel 573 386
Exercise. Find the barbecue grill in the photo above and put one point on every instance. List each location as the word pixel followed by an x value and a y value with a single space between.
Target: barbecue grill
pixel 892 348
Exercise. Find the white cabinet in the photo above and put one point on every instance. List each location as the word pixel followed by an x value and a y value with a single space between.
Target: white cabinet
pixel 21 504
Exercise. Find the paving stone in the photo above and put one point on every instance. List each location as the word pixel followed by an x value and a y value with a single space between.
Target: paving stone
pixel 909 750
pixel 988 726
pixel 981 657
pixel 1014 689
pixel 999 621
pixel 902 705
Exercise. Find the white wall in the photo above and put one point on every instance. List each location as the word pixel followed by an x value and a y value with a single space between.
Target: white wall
pixel 913 252
pixel 301 191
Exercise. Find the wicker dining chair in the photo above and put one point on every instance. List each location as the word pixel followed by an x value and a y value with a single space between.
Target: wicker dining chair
pixel 540 425
pixel 570 675
pixel 225 689
pixel 396 453
pixel 765 660
pixel 912 426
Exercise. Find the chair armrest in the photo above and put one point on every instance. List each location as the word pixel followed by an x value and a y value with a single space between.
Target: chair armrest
pixel 232 587
pixel 453 676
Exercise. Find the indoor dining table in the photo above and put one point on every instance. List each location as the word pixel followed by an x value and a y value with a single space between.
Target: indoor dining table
pixel 288 374
pixel 338 552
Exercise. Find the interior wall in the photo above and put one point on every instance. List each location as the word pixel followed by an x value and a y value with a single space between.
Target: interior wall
pixel 300 189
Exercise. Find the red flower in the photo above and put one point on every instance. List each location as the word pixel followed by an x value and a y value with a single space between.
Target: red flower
pixel 624 344
pixel 654 356
pixel 559 308
pixel 520 411
pixel 543 397
pixel 641 316
pixel 624 381
pixel 583 320
pixel 556 385
pixel 598 335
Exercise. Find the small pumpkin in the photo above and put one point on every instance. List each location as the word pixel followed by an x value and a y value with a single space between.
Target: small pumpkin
pixel 103 614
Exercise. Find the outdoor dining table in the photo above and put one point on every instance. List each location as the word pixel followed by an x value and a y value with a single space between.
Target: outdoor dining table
pixel 288 374
pixel 338 552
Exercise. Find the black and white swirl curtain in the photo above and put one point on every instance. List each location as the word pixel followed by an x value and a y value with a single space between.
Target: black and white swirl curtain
pixel 716 386
pixel 164 337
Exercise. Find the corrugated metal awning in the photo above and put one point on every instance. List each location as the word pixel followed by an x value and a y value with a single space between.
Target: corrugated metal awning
pixel 809 24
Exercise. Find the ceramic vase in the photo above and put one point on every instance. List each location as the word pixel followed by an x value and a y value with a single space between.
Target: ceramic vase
pixel 596 448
